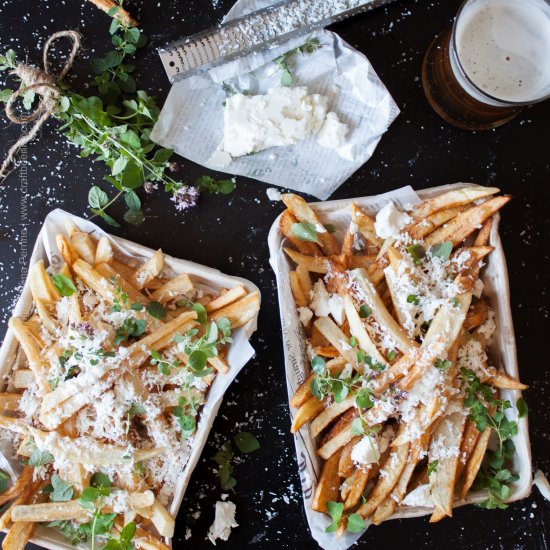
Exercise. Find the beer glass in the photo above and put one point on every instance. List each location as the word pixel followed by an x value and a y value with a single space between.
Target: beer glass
pixel 494 60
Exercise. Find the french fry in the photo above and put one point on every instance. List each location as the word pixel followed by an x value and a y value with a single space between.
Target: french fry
pixel 393 466
pixel 365 225
pixel 477 315
pixel 360 480
pixel 309 410
pixel 71 510
pixel 297 292
pixel 465 224
pixel 330 413
pixel 346 465
pixel 84 245
pixel 239 312
pixel 314 264
pixel 305 280
pixel 482 238
pixel 474 463
pixel 42 288
pixel 225 299
pixel 451 199
pixel 327 488
pixel 304 213
pixel 151 269
pixel 339 435
pixel 442 482
pixel 9 402
pixel 330 330
pixel 104 252
pixel 67 252
pixel 379 311
pixel 181 285
pixel 162 520
pixel 431 223
pixel 303 393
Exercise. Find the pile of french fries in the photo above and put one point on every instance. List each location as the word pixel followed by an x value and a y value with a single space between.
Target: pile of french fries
pixel 87 397
pixel 393 370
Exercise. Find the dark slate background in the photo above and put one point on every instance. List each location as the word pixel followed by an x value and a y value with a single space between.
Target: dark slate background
pixel 230 233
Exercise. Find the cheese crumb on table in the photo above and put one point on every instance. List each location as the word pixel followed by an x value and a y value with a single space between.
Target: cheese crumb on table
pixel 224 521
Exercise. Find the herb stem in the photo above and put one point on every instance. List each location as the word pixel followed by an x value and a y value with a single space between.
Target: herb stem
pixel 112 201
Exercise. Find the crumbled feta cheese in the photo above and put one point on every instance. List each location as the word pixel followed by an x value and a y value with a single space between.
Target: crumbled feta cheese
pixel 273 194
pixel 224 521
pixel 282 116
pixel 220 159
pixel 324 303
pixel 305 314
pixel 390 221
pixel 421 496
pixel 333 132
pixel 365 451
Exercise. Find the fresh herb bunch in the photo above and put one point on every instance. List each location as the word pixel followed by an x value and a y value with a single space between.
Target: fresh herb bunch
pixel 115 126
pixel 489 412
pixel 354 522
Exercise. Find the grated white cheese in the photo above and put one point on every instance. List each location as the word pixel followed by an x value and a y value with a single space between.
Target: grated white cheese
pixel 365 451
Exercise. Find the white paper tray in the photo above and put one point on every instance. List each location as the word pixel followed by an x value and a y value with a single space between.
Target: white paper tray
pixel 239 353
pixel 502 352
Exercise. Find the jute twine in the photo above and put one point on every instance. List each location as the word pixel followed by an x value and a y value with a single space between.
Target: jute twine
pixel 45 85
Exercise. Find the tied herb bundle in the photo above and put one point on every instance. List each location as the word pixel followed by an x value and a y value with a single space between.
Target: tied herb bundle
pixel 114 126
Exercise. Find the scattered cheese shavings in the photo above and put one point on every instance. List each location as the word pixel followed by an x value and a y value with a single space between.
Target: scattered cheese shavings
pixel 224 521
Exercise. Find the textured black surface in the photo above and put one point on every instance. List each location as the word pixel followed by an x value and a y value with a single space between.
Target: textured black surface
pixel 230 234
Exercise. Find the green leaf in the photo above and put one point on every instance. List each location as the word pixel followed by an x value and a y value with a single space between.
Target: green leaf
pixel 413 299
pixel 40 458
pixel 135 217
pixel 156 309
pixel 364 400
pixel 198 360
pixel 130 139
pixel 99 479
pixel 63 285
pixel 132 200
pixel 417 252
pixel 442 250
pixel 109 220
pixel 335 511
pixel 61 491
pixel 443 365
pixel 97 198
pixel 136 408
pixel 286 77
pixel 64 104
pixel 119 165
pixel 113 59
pixel 432 467
pixel 129 85
pixel 305 231
pixel 364 311
pixel 128 532
pixel 521 406
pixel 4 480
pixel 132 35
pixel 356 523
pixel 28 99
pixel 318 364
pixel 98 65
pixel 202 316
pixel 5 94
pixel 246 442
pixel 162 156
pixel 357 427
pixel 132 176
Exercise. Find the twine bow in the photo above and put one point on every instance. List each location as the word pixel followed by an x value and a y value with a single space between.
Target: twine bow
pixel 43 83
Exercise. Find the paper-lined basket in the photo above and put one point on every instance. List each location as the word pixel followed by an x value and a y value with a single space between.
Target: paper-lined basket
pixel 239 353
pixel 502 352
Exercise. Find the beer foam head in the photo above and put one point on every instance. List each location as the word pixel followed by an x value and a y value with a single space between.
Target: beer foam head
pixel 504 47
